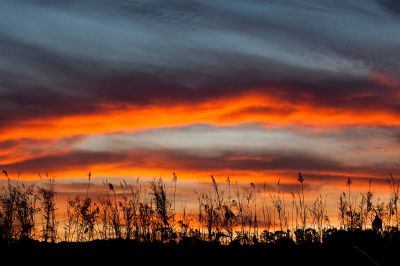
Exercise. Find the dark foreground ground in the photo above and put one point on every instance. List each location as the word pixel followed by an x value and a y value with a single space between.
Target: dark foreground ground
pixel 341 250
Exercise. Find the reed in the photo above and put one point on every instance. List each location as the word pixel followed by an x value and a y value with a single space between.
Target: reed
pixel 228 213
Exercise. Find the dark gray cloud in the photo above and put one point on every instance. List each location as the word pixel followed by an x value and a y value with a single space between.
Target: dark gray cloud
pixel 70 160
pixel 7 144
pixel 391 5
pixel 179 160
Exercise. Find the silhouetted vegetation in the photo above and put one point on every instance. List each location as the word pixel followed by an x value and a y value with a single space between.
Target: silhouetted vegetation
pixel 228 214
pixel 47 199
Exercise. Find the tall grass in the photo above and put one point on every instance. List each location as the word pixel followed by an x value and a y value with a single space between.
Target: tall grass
pixel 227 213
pixel 47 197
pixel 17 210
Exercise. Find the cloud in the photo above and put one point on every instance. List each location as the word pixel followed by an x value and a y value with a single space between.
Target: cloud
pixel 254 90
pixel 140 161
pixel 356 144
pixel 391 5
pixel 207 86
pixel 82 56
pixel 4 145
pixel 206 149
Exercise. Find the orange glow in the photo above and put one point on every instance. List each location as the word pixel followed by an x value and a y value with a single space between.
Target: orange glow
pixel 248 108
pixel 223 111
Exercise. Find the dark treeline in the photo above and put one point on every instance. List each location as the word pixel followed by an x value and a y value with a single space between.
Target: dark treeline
pixel 226 214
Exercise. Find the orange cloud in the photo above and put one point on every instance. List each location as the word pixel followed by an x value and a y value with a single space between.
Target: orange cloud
pixel 247 108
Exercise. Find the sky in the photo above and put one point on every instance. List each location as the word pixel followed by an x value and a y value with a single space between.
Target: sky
pixel 255 90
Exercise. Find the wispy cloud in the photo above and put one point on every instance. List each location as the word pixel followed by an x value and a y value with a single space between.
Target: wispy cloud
pixel 202 86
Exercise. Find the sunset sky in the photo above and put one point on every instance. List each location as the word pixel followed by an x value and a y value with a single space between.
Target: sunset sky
pixel 254 90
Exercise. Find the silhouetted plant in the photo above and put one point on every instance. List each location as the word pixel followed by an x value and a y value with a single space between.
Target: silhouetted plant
pixel 380 214
pixel 319 217
pixel 47 196
pixel 82 216
pixel 85 214
pixel 129 205
pixel 366 206
pixel 208 215
pixel 303 207
pixel 229 218
pixel 105 231
pixel 8 202
pixel 228 213
pixel 350 217
pixel 247 214
pixel 69 224
pixel 265 209
pixel 393 217
pixel 165 213
pixel 184 224
pixel 17 210
pixel 115 219
pixel 280 214
pixel 25 209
